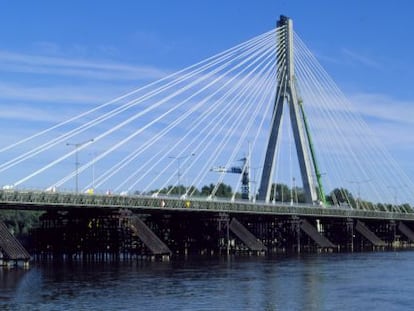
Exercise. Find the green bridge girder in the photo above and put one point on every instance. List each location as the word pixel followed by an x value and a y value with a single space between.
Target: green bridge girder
pixel 36 200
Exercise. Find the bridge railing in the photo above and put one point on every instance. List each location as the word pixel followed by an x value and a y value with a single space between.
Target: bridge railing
pixel 49 200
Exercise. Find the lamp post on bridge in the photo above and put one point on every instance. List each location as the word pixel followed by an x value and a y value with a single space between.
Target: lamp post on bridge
pixel 293 192
pixel 178 159
pixel 77 146
pixel 93 169
pixel 254 182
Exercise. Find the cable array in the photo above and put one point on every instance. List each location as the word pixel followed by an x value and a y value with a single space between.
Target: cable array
pixel 136 137
pixel 170 134
pixel 350 155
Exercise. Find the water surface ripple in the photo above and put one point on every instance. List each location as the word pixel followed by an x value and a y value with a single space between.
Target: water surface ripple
pixel 359 281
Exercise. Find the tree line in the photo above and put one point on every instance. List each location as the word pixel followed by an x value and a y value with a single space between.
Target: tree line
pixel 341 197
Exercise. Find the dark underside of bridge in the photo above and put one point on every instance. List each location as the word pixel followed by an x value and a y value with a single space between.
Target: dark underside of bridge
pixel 122 234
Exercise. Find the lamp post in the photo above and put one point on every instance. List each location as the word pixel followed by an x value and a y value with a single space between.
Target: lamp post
pixel 77 145
pixel 254 182
pixel 93 170
pixel 293 192
pixel 295 189
pixel 178 159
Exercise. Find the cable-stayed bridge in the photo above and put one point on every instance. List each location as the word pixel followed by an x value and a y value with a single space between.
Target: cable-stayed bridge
pixel 263 117
pixel 174 131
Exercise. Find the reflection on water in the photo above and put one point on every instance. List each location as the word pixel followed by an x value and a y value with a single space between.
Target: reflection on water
pixel 312 282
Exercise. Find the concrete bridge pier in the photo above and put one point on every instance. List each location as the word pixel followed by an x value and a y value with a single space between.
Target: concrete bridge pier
pixel 223 227
pixel 350 234
pixel 393 239
pixel 295 227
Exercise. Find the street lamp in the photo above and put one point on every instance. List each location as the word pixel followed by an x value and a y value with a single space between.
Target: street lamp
pixel 293 192
pixel 254 182
pixel 77 145
pixel 93 170
pixel 178 159
pixel 295 189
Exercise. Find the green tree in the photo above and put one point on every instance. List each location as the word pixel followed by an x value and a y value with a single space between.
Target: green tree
pixel 406 207
pixel 341 195
pixel 223 190
pixel 282 193
pixel 20 222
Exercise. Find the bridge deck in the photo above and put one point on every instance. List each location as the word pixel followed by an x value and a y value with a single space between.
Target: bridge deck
pixel 33 200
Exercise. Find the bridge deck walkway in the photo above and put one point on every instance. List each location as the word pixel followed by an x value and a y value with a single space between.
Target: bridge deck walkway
pixel 33 200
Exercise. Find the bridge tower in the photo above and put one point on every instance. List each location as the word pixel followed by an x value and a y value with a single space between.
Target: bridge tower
pixel 287 92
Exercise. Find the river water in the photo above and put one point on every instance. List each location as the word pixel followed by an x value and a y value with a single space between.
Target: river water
pixel 359 281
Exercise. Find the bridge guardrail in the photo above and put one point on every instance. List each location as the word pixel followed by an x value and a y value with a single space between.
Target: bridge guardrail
pixel 65 200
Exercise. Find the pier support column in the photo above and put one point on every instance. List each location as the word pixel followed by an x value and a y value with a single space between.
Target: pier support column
pixel 350 234
pixel 224 223
pixel 393 234
pixel 296 231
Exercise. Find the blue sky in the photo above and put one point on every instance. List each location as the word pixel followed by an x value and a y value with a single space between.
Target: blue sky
pixel 59 58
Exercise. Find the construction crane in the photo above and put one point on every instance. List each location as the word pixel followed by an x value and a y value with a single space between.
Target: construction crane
pixel 243 170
